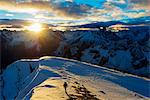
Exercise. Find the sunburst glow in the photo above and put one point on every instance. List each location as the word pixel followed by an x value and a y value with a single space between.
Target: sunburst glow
pixel 36 27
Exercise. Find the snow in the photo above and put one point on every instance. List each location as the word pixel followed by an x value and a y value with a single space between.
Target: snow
pixel 14 76
pixel 126 50
pixel 20 81
pixel 129 82
pixel 88 55
pixel 41 75
pixel 121 59
pixel 1 85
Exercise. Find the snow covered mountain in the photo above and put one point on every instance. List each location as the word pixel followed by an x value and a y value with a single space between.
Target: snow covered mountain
pixel 126 50
pixel 44 78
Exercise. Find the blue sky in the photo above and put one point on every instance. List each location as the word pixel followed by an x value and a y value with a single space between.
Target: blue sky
pixel 73 11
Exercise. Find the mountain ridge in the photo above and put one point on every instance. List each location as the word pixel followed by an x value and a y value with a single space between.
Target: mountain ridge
pixel 47 68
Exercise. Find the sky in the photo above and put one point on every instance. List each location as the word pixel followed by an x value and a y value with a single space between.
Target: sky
pixel 73 11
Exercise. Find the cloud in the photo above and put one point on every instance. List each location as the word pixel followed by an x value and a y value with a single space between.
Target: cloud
pixel 10 15
pixel 135 14
pixel 117 1
pixel 139 4
pixel 142 2
pixel 119 9
pixel 69 0
pixel 72 10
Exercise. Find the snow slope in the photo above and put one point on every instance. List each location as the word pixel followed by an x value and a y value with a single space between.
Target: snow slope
pixel 34 78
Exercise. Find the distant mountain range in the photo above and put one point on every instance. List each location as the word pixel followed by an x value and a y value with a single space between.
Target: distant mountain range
pixel 134 21
pixel 141 20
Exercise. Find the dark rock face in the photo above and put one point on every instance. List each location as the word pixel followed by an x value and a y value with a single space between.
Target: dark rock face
pixel 17 45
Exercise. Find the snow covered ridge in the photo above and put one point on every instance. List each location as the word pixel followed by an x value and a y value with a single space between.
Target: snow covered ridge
pixel 22 77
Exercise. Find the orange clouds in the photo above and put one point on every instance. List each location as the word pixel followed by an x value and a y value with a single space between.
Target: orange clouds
pixel 43 6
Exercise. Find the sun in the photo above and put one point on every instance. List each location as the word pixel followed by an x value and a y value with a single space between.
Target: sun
pixel 36 27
